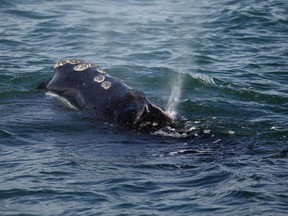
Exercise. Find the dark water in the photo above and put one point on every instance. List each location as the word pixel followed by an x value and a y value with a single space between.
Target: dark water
pixel 232 59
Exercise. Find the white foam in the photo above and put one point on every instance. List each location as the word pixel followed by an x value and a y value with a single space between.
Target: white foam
pixel 206 79
pixel 63 100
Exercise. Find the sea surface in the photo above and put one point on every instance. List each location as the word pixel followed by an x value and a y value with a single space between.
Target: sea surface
pixel 223 64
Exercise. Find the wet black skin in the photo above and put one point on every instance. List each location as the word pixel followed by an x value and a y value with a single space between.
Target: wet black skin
pixel 119 102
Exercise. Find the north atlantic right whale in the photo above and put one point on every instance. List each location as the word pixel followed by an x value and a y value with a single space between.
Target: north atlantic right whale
pixel 87 87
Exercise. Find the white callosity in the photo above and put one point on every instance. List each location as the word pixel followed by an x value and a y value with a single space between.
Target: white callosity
pixel 101 71
pixel 99 78
pixel 82 67
pixel 68 61
pixel 106 84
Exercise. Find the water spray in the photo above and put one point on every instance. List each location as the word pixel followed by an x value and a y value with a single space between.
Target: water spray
pixel 176 90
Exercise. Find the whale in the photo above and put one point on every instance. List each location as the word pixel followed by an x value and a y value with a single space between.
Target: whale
pixel 88 87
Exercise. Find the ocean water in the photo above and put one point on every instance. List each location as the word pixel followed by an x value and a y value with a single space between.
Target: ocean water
pixel 224 66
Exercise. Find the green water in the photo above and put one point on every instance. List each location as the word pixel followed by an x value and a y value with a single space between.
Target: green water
pixel 232 62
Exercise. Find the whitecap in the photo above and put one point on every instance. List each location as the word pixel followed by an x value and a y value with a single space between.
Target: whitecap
pixel 204 78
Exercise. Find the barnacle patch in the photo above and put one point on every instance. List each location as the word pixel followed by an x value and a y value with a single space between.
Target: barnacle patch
pixel 68 61
pixel 106 84
pixel 82 67
pixel 101 70
pixel 99 78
